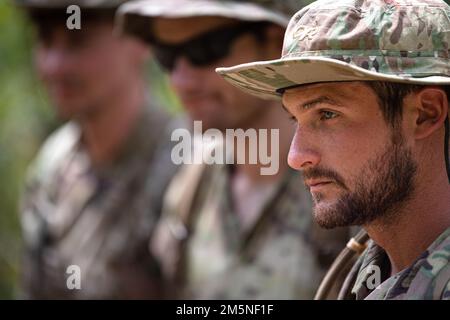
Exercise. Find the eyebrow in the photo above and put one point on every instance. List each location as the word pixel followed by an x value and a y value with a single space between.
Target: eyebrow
pixel 316 101
pixel 313 103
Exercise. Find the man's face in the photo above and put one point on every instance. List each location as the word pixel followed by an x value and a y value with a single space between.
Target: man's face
pixel 203 93
pixel 357 167
pixel 85 69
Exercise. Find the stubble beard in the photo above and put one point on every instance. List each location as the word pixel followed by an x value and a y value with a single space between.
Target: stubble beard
pixel 381 189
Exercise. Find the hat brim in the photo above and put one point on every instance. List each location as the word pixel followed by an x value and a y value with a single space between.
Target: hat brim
pixel 63 4
pixel 189 8
pixel 268 79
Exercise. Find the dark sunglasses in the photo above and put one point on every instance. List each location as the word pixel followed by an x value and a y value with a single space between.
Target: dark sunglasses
pixel 207 48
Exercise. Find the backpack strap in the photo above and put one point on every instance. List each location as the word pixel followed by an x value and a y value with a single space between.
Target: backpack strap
pixel 169 241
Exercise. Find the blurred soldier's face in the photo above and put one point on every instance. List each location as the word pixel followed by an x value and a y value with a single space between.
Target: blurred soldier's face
pixel 85 69
pixel 356 166
pixel 203 93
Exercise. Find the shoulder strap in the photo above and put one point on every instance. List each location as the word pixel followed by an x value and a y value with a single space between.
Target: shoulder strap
pixel 170 237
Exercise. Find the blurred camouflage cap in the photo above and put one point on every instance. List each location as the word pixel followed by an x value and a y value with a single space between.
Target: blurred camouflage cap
pixel 134 17
pixel 403 41
pixel 56 4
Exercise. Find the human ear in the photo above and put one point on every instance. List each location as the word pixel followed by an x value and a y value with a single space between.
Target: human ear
pixel 432 111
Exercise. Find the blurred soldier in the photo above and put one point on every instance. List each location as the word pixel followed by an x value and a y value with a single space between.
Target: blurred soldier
pixel 228 231
pixel 368 84
pixel 94 190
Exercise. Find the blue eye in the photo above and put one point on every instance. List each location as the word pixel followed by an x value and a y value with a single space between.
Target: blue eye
pixel 327 115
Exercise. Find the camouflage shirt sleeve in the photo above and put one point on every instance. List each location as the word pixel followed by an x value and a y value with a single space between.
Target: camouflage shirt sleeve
pixel 446 293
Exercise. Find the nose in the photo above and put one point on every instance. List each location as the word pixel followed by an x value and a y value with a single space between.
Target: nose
pixel 184 77
pixel 302 153
pixel 53 62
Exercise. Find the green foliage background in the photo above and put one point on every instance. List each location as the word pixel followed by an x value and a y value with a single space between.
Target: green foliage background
pixel 25 120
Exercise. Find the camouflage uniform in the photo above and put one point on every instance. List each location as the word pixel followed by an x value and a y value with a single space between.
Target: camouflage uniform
pixel 200 243
pixel 97 218
pixel 428 278
pixel 403 41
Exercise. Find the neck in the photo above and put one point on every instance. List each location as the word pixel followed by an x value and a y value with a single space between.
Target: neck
pixel 276 148
pixel 417 226
pixel 105 132
pixel 250 188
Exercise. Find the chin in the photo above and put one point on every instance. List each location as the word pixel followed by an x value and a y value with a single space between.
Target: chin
pixel 322 198
pixel 326 220
pixel 327 216
pixel 67 111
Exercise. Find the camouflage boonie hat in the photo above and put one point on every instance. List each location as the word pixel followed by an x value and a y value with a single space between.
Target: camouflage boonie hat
pixel 130 15
pixel 403 41
pixel 56 4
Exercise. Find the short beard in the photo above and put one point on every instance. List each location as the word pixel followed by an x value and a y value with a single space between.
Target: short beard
pixel 382 188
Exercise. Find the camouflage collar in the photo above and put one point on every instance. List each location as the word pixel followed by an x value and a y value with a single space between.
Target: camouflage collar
pixel 416 281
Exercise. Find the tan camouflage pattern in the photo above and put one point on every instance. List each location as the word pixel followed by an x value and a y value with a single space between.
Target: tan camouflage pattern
pixel 276 11
pixel 345 40
pixel 428 278
pixel 99 219
pixel 283 255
